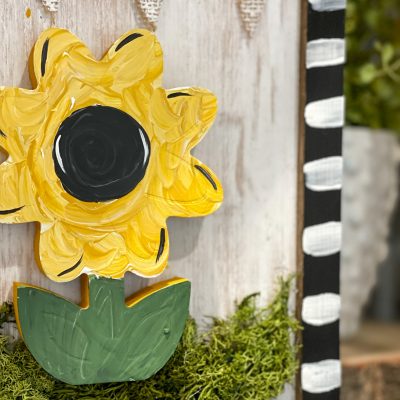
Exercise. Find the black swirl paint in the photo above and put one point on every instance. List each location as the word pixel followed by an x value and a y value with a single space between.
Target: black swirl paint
pixel 100 153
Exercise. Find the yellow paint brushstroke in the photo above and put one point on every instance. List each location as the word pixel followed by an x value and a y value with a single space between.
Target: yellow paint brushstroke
pixel 149 290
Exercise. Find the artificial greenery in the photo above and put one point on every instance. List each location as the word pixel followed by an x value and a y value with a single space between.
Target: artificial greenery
pixel 250 355
pixel 372 73
pixel 6 313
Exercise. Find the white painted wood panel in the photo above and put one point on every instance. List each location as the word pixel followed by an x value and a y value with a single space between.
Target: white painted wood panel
pixel 252 146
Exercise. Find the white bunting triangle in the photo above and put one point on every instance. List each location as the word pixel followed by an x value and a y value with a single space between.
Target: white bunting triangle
pixel 149 11
pixel 51 5
pixel 250 13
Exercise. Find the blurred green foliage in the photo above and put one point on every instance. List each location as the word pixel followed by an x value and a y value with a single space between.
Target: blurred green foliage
pixel 372 74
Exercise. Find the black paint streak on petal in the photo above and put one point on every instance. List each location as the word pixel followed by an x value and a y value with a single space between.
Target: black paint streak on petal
pixel 71 268
pixel 177 94
pixel 207 176
pixel 13 210
pixel 2 133
pixel 44 56
pixel 127 40
pixel 162 244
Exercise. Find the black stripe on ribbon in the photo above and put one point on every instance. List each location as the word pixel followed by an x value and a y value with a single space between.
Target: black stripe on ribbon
pixel 333 395
pixel 328 24
pixel 322 143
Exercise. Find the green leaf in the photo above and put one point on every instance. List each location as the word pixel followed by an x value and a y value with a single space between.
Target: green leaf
pixel 387 53
pixel 108 341
pixel 367 73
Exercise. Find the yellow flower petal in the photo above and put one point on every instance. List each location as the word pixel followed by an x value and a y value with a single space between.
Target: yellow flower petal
pixel 135 57
pixel 148 242
pixel 183 115
pixel 56 52
pixel 107 256
pixel 196 191
pixel 21 114
pixel 142 247
pixel 18 195
pixel 60 253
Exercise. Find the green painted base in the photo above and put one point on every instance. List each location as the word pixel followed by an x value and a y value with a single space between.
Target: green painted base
pixel 110 340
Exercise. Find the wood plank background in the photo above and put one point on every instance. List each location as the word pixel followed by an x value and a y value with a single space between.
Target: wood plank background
pixel 252 146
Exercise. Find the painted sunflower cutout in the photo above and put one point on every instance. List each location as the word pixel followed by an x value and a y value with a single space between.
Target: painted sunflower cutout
pixel 99 155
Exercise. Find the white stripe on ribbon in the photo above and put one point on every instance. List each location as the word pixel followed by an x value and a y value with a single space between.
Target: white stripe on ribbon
pixel 327 113
pixel 324 174
pixel 321 309
pixel 327 5
pixel 321 377
pixel 325 52
pixel 323 239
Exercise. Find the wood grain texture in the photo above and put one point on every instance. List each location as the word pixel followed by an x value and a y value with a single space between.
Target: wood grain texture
pixel 252 146
pixel 371 363
pixel 300 182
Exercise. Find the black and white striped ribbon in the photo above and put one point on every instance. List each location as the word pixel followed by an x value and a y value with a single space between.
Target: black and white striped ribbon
pixel 324 118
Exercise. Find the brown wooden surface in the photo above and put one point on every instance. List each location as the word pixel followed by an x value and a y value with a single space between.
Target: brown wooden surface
pixel 300 179
pixel 371 363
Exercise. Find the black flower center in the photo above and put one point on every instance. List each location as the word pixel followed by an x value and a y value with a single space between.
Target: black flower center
pixel 100 153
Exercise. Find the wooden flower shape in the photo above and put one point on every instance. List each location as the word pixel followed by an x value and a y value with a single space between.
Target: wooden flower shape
pixel 99 155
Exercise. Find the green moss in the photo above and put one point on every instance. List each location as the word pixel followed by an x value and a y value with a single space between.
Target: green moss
pixel 249 355
pixel 20 376
pixel 6 313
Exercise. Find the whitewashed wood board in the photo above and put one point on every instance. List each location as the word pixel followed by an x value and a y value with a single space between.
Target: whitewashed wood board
pixel 252 146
